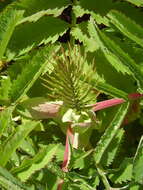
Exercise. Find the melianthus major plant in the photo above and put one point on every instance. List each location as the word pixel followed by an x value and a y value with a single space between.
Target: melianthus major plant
pixel 62 63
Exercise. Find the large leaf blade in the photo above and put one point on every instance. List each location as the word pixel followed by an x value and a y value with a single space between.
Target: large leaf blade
pixel 110 133
pixel 116 56
pixel 8 21
pixel 127 26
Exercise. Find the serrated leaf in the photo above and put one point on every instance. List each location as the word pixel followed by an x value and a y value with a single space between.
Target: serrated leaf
pixel 110 133
pixel 88 42
pixel 8 181
pixel 127 26
pixel 96 7
pixel 30 73
pixel 116 56
pixel 39 161
pixel 110 153
pixel 34 6
pixel 33 18
pixel 138 163
pixel 8 21
pixel 31 34
pixel 15 140
pixel 124 173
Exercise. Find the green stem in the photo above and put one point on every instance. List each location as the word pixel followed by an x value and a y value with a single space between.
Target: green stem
pixel 103 177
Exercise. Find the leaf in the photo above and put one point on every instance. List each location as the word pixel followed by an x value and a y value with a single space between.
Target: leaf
pixel 112 91
pixel 124 173
pixel 116 56
pixel 30 73
pixel 107 76
pixel 38 162
pixel 136 2
pixel 4 90
pixel 8 21
pixel 34 6
pixel 88 42
pixel 81 159
pixel 5 119
pixel 110 133
pixel 14 141
pixel 33 18
pixel 31 34
pixel 127 26
pixel 111 151
pixel 8 181
pixel 138 163
pixel 96 7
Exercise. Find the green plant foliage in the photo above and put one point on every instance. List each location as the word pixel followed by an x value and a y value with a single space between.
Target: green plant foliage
pixel 113 147
pixel 14 141
pixel 4 90
pixel 39 161
pixel 35 6
pixel 136 2
pixel 8 21
pixel 71 84
pixel 5 119
pixel 124 173
pixel 10 182
pixel 110 134
pixel 31 34
pixel 137 164
pixel 127 26
pixel 119 58
pixel 29 74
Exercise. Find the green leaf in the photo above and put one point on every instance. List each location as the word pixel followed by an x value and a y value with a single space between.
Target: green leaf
pixel 4 90
pixel 8 21
pixel 88 42
pixel 81 159
pixel 112 91
pixel 31 34
pixel 8 181
pixel 39 161
pixel 138 163
pixel 124 173
pixel 96 7
pixel 110 133
pixel 115 55
pixel 127 26
pixel 14 141
pixel 136 2
pixel 111 151
pixel 34 6
pixel 30 73
pixel 5 119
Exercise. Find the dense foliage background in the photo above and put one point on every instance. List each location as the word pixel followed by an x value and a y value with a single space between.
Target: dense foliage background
pixel 71 87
